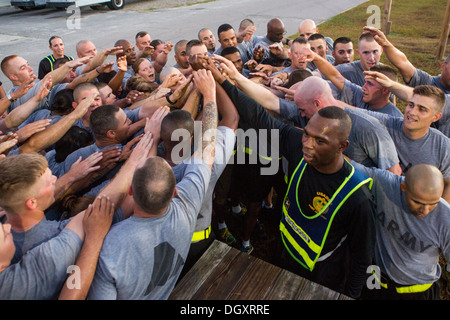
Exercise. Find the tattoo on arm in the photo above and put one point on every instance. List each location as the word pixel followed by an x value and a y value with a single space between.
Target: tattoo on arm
pixel 209 121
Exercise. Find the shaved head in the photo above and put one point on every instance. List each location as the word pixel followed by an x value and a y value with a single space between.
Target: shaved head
pixel 424 178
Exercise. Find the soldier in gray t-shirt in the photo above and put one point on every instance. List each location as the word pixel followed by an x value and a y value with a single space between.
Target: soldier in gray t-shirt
pixel 353 94
pixel 412 228
pixel 433 147
pixel 142 257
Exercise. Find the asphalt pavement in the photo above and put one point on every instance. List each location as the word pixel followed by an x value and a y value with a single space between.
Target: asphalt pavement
pixel 26 33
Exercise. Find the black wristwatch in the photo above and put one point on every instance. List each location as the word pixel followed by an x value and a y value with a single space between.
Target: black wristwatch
pixel 168 94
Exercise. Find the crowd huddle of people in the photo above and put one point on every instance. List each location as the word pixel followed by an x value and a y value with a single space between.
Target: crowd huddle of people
pixel 111 172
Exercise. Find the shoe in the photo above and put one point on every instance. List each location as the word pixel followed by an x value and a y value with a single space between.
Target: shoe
pixel 240 213
pixel 247 250
pixel 226 236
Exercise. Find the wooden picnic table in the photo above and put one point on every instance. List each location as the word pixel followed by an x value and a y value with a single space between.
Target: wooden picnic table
pixel 225 273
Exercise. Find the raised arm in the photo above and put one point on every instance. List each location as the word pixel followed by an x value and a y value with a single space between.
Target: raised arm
pixel 116 81
pixel 255 91
pixel 22 112
pixel 192 103
pixel 161 58
pixel 175 98
pixel 97 219
pixel 100 58
pixel 59 74
pixel 91 75
pixel 401 91
pixel 325 68
pixel 206 85
pixel 52 134
pixel 394 55
pixel 117 189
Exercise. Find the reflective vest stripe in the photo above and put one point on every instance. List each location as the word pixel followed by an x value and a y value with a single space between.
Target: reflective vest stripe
pixel 292 243
pixel 52 59
pixel 301 233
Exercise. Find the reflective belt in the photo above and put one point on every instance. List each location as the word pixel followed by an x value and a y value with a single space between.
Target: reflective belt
pixel 406 289
pixel 201 235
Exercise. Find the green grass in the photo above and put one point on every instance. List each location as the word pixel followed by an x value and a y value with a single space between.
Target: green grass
pixel 416 29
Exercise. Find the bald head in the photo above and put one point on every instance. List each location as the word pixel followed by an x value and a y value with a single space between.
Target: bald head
pixel 275 23
pixel 424 178
pixel 275 30
pixel 313 88
pixel 307 28
pixel 313 94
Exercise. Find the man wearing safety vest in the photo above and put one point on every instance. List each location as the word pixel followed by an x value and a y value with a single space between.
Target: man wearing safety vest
pixel 56 44
pixel 327 224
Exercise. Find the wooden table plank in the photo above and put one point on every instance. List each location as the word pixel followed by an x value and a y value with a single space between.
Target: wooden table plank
pixel 256 282
pixel 193 280
pixel 225 273
pixel 286 287
pixel 314 291
pixel 225 276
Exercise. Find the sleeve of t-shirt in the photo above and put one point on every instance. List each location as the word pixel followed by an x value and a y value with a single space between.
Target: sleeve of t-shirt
pixel 192 188
pixel 352 94
pixel 42 271
pixel 225 142
pixel 288 110
pixel 382 178
pixel 133 115
pixel 420 78
pixel 27 96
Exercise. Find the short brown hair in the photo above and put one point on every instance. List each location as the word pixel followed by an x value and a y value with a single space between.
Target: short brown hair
pixel 386 70
pixel 366 36
pixel 5 63
pixel 81 87
pixel 18 174
pixel 433 92
pixel 153 185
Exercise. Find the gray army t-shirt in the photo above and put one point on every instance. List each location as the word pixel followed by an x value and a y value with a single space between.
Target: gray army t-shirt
pixel 142 258
pixel 407 247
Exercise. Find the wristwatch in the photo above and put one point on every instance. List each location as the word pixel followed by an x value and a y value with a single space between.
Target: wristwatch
pixel 167 98
pixel 8 96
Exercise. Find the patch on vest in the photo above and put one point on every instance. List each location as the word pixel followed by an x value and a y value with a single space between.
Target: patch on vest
pixel 319 202
pixel 287 203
